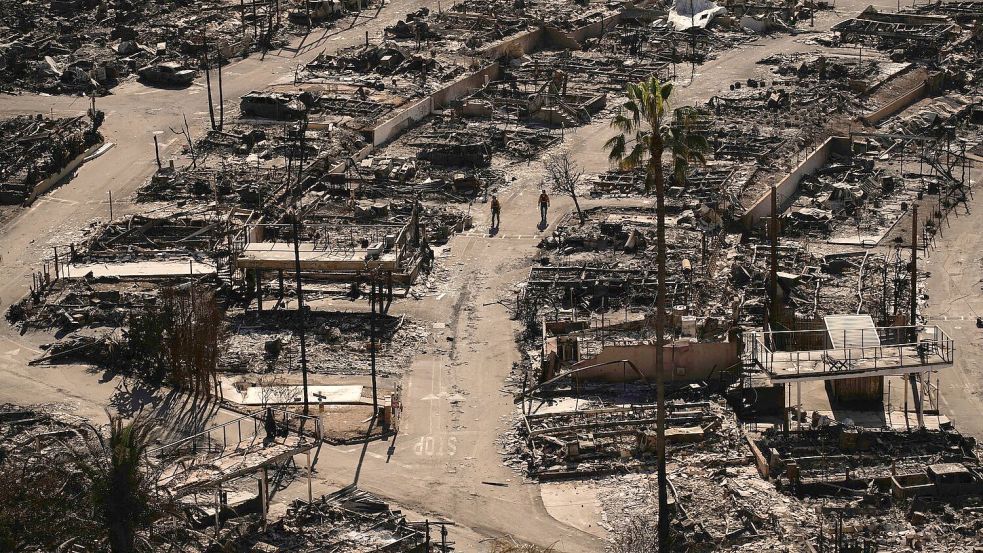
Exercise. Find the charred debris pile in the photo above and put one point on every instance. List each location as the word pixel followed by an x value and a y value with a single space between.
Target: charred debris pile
pixel 41 150
pixel 91 46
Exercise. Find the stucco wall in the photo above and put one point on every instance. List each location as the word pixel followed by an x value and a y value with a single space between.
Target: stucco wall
pixel 401 121
pixel 595 29
pixel 683 361
pixel 466 85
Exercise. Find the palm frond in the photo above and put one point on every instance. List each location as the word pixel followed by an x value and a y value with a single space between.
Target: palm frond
pixel 616 147
pixel 635 158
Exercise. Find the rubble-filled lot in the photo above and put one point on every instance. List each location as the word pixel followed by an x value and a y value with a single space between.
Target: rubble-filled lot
pixel 39 150
pixel 90 47
pixel 288 238
pixel 350 520
pixel 848 168
pixel 340 344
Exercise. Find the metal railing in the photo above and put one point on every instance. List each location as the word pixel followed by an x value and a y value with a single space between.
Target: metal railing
pixel 238 240
pixel 885 347
pixel 326 237
pixel 247 429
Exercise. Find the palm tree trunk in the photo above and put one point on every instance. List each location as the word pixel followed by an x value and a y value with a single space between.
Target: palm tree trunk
pixel 121 537
pixel 655 169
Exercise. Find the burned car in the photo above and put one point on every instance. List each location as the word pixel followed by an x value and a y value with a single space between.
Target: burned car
pixel 276 105
pixel 169 73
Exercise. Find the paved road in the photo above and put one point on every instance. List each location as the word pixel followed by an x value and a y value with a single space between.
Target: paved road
pixel 954 301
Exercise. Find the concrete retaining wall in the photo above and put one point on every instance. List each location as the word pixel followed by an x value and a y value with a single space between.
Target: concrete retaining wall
pixel 788 187
pixel 466 86
pixel 413 114
pixel 896 105
pixel 402 121
pixel 519 44
pixel 50 182
pixel 596 28
pixel 530 41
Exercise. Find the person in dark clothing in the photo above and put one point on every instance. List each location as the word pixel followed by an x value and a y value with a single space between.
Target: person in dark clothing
pixel 544 206
pixel 269 424
pixel 496 212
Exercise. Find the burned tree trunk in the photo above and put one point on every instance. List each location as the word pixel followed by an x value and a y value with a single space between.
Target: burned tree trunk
pixel 565 176
pixel 192 341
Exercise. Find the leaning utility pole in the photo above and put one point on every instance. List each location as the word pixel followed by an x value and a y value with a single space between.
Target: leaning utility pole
pixel 300 307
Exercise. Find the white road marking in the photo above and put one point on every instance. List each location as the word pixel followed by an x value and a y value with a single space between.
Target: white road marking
pixel 19 345
pixel 53 199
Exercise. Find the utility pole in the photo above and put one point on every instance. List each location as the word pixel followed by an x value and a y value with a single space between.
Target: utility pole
pixel 884 295
pixel 914 266
pixel 660 385
pixel 221 96
pixel 303 155
pixel 300 307
pixel 773 238
pixel 208 79
pixel 374 297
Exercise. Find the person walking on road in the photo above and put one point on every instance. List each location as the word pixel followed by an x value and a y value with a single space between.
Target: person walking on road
pixel 544 206
pixel 496 212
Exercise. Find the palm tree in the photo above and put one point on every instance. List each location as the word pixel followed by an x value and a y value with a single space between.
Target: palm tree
pixel 645 130
pixel 121 488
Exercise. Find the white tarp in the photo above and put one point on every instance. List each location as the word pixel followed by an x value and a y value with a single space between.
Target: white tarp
pixel 851 331
pixel 294 395
pixel 694 13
